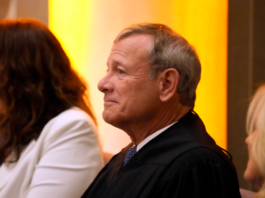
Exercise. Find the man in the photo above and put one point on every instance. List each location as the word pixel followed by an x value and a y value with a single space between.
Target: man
pixel 149 93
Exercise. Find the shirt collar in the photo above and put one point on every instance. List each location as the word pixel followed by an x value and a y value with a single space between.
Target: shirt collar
pixel 152 136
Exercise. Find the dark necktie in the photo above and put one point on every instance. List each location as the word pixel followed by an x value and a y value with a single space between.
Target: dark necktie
pixel 130 153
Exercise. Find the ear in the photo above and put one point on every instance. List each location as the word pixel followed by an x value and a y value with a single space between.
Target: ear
pixel 169 80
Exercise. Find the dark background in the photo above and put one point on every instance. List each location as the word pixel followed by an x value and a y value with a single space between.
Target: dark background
pixel 246 71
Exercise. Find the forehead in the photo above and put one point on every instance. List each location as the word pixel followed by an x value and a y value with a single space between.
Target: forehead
pixel 133 47
pixel 137 40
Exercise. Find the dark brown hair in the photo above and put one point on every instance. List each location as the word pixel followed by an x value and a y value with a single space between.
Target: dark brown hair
pixel 37 83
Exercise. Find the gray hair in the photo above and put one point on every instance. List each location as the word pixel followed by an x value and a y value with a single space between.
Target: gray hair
pixel 170 50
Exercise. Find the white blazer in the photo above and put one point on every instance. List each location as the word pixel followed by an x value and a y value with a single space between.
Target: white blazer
pixel 61 163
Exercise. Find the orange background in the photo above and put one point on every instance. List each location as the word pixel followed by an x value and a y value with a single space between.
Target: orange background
pixel 87 28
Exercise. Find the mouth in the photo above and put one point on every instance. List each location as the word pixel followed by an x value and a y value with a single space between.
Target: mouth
pixel 109 102
pixel 106 102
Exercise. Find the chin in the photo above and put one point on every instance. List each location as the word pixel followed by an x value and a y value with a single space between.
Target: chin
pixel 255 181
pixel 110 119
pixel 107 119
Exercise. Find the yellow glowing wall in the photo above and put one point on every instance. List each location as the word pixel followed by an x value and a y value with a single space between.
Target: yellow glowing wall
pixel 69 21
pixel 204 24
pixel 87 29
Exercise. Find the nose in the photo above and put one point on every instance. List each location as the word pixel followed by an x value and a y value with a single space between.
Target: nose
pixel 251 137
pixel 105 84
pixel 247 139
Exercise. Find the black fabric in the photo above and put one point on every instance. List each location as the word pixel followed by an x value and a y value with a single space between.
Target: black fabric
pixel 182 162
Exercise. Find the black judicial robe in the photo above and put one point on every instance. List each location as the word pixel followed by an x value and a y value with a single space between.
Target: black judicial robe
pixel 181 162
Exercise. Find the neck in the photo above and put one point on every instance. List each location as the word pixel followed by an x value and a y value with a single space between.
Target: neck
pixel 162 118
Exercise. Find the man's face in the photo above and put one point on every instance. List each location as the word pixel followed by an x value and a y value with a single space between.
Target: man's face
pixel 130 96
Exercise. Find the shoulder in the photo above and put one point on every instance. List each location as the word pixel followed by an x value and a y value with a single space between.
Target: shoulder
pixel 200 155
pixel 71 122
pixel 71 116
pixel 202 163
pixel 199 172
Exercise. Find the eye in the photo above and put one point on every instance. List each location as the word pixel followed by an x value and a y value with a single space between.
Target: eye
pixel 120 71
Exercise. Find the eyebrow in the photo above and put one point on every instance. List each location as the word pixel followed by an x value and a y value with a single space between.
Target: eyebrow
pixel 117 62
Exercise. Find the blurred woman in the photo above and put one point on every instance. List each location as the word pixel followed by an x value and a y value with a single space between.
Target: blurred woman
pixel 255 171
pixel 49 145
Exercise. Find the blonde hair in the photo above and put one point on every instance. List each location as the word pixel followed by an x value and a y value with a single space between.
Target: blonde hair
pixel 256 122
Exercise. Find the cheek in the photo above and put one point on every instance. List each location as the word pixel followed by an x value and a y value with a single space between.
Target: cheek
pixel 131 93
